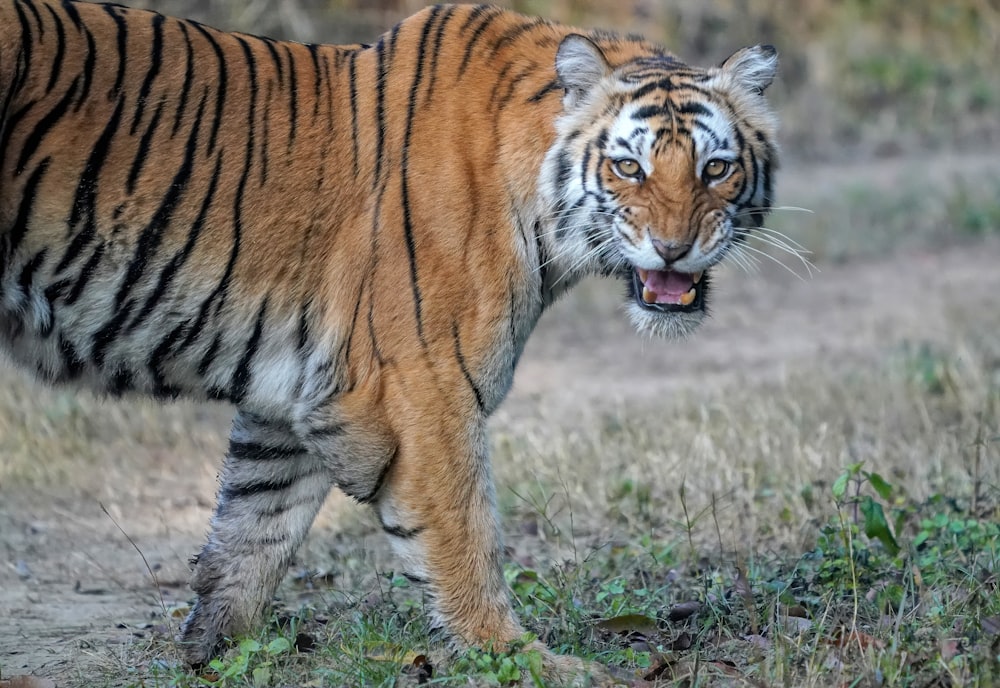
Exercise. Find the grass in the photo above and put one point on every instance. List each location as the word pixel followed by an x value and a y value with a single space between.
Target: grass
pixel 833 527
pixel 830 529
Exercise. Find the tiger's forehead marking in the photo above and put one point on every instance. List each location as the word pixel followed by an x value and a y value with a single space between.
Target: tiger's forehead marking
pixel 646 127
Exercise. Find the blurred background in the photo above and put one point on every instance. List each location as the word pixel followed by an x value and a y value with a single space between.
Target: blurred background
pixel 858 77
pixel 873 340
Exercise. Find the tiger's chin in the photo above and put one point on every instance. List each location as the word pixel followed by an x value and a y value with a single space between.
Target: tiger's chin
pixel 666 304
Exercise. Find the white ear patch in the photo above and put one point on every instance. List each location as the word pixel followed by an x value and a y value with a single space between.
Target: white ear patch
pixel 754 68
pixel 580 65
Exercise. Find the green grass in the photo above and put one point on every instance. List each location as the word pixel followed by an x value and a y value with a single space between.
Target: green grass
pixel 833 529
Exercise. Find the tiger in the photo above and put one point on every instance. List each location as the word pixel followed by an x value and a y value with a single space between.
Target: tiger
pixel 351 244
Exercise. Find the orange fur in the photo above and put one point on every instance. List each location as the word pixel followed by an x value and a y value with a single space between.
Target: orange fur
pixel 350 243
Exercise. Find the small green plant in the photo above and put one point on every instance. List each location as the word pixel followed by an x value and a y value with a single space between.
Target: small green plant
pixel 507 668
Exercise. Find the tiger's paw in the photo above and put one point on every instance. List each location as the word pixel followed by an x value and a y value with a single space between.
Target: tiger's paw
pixel 574 672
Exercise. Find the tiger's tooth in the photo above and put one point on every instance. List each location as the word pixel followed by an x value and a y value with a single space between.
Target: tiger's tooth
pixel 643 274
pixel 697 276
pixel 648 296
pixel 688 298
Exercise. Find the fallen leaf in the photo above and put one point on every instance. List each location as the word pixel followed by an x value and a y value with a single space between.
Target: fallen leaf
pixel 797 624
pixel 990 625
pixel 682 611
pixel 667 667
pixel 421 669
pixel 394 656
pixel 26 682
pixel 950 649
pixel 629 623
pixel 798 611
pixel 857 639
pixel 682 642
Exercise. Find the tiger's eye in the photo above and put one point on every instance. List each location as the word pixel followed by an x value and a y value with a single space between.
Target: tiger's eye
pixel 628 168
pixel 716 169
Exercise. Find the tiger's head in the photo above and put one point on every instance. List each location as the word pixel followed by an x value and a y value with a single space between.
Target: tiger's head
pixel 657 170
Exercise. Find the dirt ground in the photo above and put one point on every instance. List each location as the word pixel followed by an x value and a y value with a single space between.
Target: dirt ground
pixel 74 591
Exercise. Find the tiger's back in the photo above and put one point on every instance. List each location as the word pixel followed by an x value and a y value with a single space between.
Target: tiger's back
pixel 352 245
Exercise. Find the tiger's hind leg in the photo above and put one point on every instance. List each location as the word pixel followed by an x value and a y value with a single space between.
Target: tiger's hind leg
pixel 271 489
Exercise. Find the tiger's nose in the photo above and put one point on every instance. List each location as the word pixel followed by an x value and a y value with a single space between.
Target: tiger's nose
pixel 670 251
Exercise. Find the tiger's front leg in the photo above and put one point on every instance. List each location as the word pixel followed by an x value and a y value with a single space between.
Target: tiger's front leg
pixel 271 489
pixel 437 506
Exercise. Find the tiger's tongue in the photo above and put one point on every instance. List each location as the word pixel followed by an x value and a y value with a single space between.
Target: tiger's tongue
pixel 668 285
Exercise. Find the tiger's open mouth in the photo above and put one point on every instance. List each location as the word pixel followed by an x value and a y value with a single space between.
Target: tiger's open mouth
pixel 669 291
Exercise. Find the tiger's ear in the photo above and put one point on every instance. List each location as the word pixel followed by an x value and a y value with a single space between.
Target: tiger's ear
pixel 580 66
pixel 754 68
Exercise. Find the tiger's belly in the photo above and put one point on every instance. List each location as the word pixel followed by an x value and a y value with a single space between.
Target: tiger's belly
pixel 184 344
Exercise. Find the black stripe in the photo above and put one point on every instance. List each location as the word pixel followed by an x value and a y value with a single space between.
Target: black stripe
pixel 73 364
pixel 188 81
pixel 170 270
pixel 241 376
pixel 265 133
pixel 157 358
pixel 694 108
pixel 647 111
pixel 38 17
pixel 151 237
pixel 44 125
pixel 109 333
pixel 24 211
pixel 401 532
pixel 436 50
pixel 352 79
pixel 230 491
pixel 29 269
pixel 317 81
pixel 278 66
pixel 465 368
pixel 646 89
pixel 88 70
pixel 155 59
pixel 551 87
pixel 122 47
pixel 304 325
pixel 70 9
pixel 476 12
pixel 57 61
pixel 222 82
pixel 218 295
pixel 88 271
pixel 293 97
pixel 121 382
pixel 209 358
pixel 543 258
pixel 85 199
pixel 476 35
pixel 370 497
pixel 513 33
pixel 404 175
pixel 142 152
pixel 254 451
pixel 27 42
pixel 381 71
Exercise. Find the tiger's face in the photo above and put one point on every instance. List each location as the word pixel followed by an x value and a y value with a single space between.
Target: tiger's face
pixel 658 170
